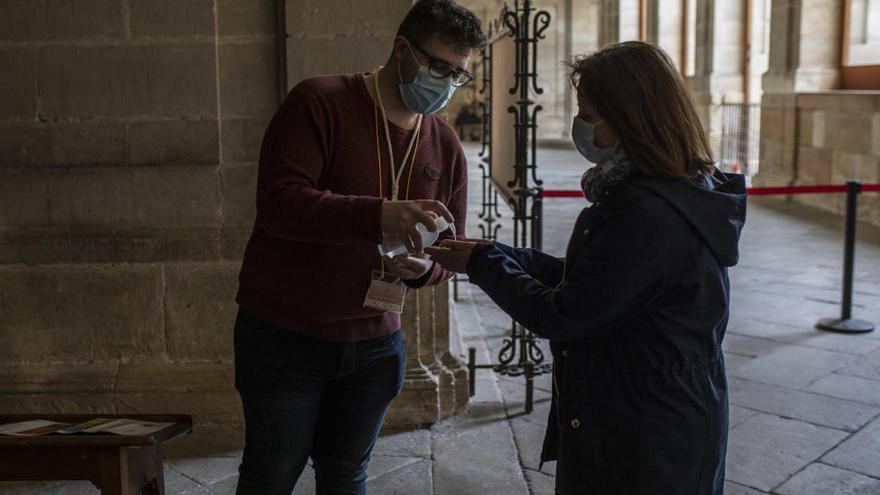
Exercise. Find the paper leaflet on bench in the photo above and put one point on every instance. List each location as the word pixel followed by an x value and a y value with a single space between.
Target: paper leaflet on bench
pixel 116 426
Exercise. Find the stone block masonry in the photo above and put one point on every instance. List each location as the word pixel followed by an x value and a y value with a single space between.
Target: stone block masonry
pixel 121 191
pixel 132 82
pixel 823 138
pixel 812 132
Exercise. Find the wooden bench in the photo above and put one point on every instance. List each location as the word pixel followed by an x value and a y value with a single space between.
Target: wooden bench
pixel 117 465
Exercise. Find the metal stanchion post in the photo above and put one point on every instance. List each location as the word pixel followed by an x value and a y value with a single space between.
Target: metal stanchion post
pixel 472 371
pixel 846 323
pixel 530 386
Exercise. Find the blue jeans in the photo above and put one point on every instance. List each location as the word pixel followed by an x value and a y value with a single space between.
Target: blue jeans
pixel 304 397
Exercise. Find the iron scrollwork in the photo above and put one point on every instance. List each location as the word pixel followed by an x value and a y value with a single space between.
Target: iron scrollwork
pixel 520 354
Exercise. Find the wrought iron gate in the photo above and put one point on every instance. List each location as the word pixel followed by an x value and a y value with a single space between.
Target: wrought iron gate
pixel 520 354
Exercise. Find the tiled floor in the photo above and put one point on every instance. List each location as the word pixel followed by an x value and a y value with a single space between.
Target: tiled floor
pixel 805 413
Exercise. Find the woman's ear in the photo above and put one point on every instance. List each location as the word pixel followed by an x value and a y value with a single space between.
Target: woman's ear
pixel 606 136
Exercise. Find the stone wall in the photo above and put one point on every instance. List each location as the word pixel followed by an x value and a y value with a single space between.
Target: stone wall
pixel 812 133
pixel 129 134
pixel 837 138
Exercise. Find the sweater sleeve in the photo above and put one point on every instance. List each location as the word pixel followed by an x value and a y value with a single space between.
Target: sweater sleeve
pixel 458 207
pixel 295 152
pixel 608 278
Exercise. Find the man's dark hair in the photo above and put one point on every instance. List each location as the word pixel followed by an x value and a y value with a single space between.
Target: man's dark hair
pixel 446 19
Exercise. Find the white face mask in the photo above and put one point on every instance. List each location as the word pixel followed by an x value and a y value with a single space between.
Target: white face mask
pixel 583 134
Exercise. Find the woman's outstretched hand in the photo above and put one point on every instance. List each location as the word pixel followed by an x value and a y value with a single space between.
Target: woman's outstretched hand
pixel 452 255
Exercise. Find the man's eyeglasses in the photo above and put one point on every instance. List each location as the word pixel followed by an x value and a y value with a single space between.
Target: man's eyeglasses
pixel 441 69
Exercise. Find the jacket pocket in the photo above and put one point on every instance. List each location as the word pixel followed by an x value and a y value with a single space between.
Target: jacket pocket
pixel 580 438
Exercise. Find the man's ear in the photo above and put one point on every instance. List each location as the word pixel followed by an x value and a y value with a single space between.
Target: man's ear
pixel 400 47
pixel 467 62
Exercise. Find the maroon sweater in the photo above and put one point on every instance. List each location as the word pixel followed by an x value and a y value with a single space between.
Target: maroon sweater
pixel 308 262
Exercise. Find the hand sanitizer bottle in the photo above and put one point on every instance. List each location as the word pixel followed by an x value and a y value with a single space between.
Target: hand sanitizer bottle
pixel 393 244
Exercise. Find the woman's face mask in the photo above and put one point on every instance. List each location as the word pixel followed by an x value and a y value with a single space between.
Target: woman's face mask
pixel 426 94
pixel 583 134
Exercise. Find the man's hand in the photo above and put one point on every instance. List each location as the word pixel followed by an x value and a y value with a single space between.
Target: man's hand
pixel 401 217
pixel 453 255
pixel 410 267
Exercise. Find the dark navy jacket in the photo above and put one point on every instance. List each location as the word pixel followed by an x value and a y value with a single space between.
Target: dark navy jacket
pixel 635 313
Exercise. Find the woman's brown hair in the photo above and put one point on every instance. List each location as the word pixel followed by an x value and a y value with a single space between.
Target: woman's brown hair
pixel 636 89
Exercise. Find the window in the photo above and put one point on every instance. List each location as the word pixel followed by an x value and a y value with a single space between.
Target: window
pixel 665 28
pixel 759 48
pixel 860 45
pixel 630 20
pixel 765 27
pixel 691 35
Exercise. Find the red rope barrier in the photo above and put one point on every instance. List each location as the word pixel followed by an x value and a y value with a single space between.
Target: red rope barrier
pixel 562 194
pixel 752 191
pixel 768 191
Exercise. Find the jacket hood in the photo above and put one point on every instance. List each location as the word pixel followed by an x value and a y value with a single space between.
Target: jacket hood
pixel 715 206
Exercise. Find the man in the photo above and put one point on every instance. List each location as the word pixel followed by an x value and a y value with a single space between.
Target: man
pixel 347 161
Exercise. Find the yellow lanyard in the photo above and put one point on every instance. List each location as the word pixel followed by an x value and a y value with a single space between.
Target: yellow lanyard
pixel 379 161
pixel 396 173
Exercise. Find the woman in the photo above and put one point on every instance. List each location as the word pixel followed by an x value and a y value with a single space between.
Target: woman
pixel 637 310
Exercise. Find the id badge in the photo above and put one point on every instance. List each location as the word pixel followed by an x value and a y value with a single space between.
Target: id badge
pixel 386 293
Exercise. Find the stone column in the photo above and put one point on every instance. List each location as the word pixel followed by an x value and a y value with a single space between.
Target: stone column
pixel 428 331
pixel 586 31
pixel 609 22
pixel 667 21
pixel 418 403
pixel 804 56
pixel 719 61
pixel 454 378
pixel 436 382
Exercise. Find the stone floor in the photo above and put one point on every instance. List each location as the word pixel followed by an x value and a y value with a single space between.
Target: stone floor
pixel 805 405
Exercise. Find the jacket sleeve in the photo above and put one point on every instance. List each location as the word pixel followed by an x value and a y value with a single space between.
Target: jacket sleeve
pixel 295 152
pixel 545 268
pixel 610 276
